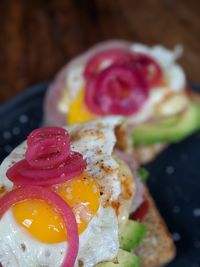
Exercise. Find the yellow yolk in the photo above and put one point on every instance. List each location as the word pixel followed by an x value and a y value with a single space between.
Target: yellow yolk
pixel 78 111
pixel 42 221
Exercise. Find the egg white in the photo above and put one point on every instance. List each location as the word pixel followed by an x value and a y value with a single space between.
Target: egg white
pixel 99 242
pixel 98 135
pixel 16 155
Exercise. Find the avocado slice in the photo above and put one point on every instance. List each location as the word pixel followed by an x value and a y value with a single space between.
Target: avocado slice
pixel 172 129
pixel 124 259
pixel 131 234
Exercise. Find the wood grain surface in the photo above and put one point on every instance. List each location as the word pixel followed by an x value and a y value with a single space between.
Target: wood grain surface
pixel 38 37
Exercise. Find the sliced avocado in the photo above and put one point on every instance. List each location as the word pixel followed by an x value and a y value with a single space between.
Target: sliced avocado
pixel 124 259
pixel 173 129
pixel 131 234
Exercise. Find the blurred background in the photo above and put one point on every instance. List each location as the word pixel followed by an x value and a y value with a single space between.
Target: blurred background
pixel 38 37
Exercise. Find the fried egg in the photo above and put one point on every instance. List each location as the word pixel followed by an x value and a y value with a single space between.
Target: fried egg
pixel 173 83
pixel 31 233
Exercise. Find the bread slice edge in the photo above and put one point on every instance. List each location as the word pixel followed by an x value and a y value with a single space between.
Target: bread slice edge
pixel 157 248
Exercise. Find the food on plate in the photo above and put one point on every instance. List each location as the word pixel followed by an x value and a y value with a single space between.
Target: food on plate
pixel 144 84
pixel 70 198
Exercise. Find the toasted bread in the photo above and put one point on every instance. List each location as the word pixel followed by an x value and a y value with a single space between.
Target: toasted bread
pixel 157 248
pixel 141 154
pixel 146 153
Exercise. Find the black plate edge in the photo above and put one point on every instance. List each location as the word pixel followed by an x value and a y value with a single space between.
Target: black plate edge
pixel 30 92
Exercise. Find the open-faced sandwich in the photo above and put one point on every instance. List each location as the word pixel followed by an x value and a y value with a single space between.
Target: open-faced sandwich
pixel 68 199
pixel 144 84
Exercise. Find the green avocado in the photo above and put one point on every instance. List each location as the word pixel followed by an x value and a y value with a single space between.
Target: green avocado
pixel 172 129
pixel 131 234
pixel 124 259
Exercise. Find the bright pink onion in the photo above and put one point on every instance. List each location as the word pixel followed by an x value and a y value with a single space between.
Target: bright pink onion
pixel 118 90
pixel 46 132
pixel 47 147
pixel 48 152
pixel 149 68
pixel 110 56
pixel 36 192
pixel 52 114
pixel 21 173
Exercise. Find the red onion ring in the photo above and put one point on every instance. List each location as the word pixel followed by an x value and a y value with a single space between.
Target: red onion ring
pixel 148 67
pixel 46 132
pixel 23 174
pixel 52 115
pixel 117 90
pixel 35 192
pixel 114 55
pixel 47 147
pixel 103 86
pixel 48 153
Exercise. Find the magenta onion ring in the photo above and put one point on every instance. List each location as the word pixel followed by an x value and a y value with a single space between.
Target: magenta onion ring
pixel 36 192
pixel 47 153
pixel 42 133
pixel 117 90
pixel 47 147
pixel 115 55
pixel 148 67
pixel 102 81
pixel 52 114
pixel 23 174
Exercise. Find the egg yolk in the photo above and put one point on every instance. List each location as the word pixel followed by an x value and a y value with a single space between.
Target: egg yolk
pixel 78 111
pixel 43 222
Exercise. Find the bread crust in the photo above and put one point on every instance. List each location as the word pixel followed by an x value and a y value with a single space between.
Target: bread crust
pixel 157 249
pixel 146 153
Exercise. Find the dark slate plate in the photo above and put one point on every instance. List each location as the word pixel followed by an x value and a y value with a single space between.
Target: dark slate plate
pixel 20 116
pixel 174 180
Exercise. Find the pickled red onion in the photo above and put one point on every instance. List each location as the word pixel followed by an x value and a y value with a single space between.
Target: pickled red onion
pixel 43 133
pixel 47 153
pixel 107 71
pixel 48 159
pixel 52 115
pixel 148 67
pixel 47 147
pixel 110 56
pixel 23 174
pixel 118 89
pixel 36 192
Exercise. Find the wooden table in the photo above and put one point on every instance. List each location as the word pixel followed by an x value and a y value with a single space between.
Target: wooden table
pixel 38 37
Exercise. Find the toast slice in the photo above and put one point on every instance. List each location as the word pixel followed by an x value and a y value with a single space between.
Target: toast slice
pixel 146 153
pixel 157 248
pixel 141 154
